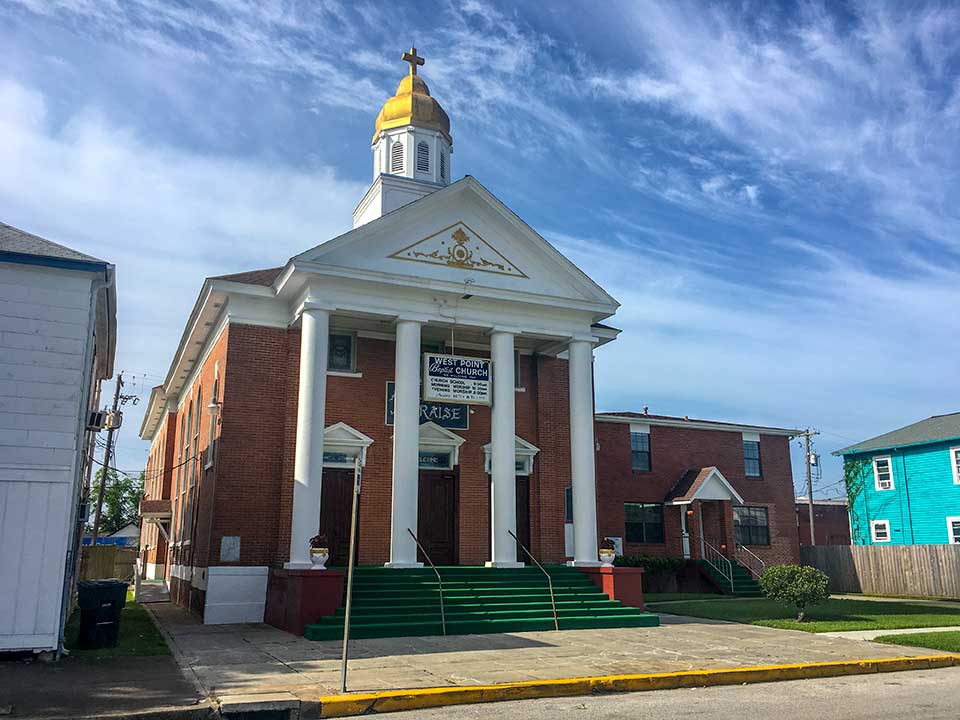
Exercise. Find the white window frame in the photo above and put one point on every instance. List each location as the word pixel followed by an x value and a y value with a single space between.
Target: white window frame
pixel 873 530
pixel 876 474
pixel 352 371
pixel 955 464
pixel 951 538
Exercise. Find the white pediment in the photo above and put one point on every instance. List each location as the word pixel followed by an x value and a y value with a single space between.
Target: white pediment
pixel 342 444
pixel 523 448
pixel 717 487
pixel 460 235
pixel 434 438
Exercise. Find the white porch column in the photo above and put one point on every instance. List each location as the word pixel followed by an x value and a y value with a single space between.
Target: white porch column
pixel 406 446
pixel 308 461
pixel 503 454
pixel 580 366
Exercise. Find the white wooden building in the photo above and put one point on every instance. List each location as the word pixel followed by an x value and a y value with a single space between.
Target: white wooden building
pixel 57 341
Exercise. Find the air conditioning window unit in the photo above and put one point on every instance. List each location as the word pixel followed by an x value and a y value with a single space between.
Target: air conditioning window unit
pixel 96 420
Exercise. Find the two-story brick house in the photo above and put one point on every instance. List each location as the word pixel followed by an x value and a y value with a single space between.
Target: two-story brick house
pixel 672 486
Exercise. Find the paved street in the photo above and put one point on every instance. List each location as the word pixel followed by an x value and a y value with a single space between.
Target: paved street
pixel 930 694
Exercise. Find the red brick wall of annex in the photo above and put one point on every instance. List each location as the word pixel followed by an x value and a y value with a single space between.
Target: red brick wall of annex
pixel 675 450
pixel 830 522
pixel 157 479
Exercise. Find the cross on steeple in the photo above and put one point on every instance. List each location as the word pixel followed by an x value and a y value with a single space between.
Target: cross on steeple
pixel 414 60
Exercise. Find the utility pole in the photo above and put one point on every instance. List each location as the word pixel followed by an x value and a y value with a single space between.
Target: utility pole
pixel 807 435
pixel 107 453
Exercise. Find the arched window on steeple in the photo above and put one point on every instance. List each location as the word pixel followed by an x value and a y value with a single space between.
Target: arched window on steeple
pixel 396 157
pixel 423 157
pixel 443 165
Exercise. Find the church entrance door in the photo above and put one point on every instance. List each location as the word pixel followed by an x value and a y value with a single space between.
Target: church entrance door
pixel 336 503
pixel 523 516
pixel 437 516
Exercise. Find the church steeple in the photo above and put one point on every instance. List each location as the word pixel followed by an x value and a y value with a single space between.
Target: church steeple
pixel 411 147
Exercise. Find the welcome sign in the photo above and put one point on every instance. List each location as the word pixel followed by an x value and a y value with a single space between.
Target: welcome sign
pixel 456 378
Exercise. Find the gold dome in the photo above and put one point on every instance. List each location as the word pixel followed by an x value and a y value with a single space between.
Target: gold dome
pixel 412 105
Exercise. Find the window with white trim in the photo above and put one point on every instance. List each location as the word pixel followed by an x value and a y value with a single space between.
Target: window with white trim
pixel 955 464
pixel 751 458
pixel 396 157
pixel 640 450
pixel 880 531
pixel 883 473
pixel 423 156
pixel 953 530
pixel 341 356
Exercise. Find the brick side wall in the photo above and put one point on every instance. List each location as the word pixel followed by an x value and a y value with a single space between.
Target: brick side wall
pixel 830 522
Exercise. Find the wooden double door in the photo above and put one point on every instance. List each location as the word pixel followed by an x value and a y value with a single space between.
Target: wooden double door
pixel 437 520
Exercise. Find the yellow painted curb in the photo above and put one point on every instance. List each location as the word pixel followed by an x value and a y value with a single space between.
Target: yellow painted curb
pixel 416 699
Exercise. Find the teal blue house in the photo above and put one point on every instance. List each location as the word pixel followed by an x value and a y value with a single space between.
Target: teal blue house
pixel 908 491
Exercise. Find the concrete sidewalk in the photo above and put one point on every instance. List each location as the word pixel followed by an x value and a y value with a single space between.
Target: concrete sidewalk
pixel 238 660
pixel 951 604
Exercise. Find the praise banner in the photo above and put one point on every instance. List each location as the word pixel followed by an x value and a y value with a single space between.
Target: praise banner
pixel 456 379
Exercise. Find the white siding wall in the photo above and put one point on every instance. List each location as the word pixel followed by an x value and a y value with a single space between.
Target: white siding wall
pixel 45 331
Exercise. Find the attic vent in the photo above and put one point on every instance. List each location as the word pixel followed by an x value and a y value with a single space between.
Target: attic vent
pixel 423 157
pixel 396 157
pixel 443 166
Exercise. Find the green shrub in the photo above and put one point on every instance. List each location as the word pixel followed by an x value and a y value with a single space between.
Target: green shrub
pixel 797 585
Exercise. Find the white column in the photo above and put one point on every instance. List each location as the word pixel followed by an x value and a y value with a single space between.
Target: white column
pixel 308 461
pixel 580 366
pixel 406 446
pixel 503 465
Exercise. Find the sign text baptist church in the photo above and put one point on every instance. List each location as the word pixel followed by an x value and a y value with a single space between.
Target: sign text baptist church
pixel 456 378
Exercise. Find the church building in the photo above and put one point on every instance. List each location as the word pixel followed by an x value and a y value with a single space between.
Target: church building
pixel 442 351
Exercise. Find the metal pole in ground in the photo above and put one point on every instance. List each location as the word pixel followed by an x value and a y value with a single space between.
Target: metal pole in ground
pixel 357 472
pixel 807 436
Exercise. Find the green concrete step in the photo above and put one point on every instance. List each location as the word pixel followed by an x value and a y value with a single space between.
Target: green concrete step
pixel 394 603
pixel 334 631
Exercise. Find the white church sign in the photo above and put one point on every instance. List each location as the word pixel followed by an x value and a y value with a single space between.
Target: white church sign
pixel 455 378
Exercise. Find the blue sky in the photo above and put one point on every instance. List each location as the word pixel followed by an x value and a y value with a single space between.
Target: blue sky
pixel 772 192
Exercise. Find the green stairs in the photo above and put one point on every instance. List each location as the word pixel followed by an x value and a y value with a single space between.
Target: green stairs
pixel 400 603
pixel 744 583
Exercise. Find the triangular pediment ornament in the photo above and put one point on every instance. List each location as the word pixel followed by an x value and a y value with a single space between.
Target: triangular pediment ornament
pixel 458 246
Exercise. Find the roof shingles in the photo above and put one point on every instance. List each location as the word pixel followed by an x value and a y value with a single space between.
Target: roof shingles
pixel 934 429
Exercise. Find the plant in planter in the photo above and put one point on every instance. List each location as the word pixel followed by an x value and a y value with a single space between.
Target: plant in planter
pixel 319 551
pixel 607 553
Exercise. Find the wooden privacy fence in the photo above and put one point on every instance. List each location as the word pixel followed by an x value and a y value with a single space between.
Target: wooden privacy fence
pixel 922 570
pixel 98 562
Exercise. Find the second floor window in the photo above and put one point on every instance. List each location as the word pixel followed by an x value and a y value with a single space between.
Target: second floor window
pixel 751 458
pixel 341 354
pixel 955 464
pixel 640 450
pixel 882 473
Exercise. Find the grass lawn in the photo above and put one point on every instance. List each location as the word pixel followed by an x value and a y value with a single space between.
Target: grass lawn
pixel 833 615
pixel 670 597
pixel 138 636
pixel 948 641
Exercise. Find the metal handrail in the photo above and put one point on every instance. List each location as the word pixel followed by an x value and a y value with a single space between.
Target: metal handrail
pixel 718 561
pixel 553 601
pixel 443 616
pixel 753 556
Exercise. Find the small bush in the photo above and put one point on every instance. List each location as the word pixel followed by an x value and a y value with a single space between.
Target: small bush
pixel 660 572
pixel 797 585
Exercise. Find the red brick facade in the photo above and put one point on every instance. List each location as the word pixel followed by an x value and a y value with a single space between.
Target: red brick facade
pixel 247 491
pixel 830 522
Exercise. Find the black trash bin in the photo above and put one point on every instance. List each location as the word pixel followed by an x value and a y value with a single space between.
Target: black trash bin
pixel 100 603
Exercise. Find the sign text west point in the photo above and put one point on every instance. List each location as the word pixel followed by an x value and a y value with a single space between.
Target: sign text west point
pixel 456 378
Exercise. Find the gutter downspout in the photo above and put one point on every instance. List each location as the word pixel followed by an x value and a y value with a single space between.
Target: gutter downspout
pixel 906 492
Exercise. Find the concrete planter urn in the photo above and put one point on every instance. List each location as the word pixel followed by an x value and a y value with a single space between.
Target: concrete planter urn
pixel 607 557
pixel 319 552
